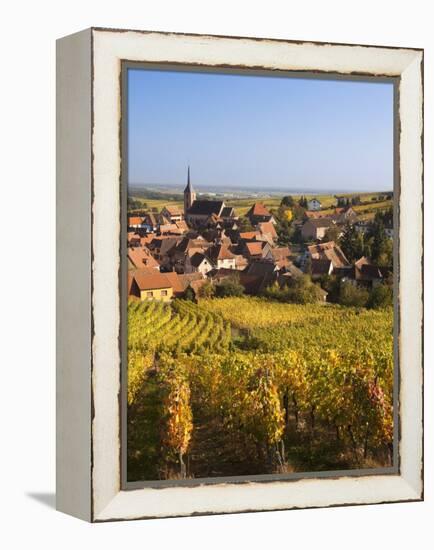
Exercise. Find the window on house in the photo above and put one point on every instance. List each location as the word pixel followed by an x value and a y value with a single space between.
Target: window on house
pixel 149 294
pixel 164 293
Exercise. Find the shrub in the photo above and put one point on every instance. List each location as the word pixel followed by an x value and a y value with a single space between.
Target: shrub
pixel 189 294
pixel 207 290
pixel 299 290
pixel 381 297
pixel 350 295
pixel 229 287
pixel 332 285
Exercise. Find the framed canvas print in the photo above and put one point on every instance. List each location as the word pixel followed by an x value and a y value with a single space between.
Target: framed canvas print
pixel 239 274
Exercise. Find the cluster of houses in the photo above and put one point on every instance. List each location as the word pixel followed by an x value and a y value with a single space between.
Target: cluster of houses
pixel 317 222
pixel 176 250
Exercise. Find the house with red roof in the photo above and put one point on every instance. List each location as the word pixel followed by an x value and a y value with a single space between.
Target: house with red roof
pixel 258 213
pixel 141 257
pixel 221 257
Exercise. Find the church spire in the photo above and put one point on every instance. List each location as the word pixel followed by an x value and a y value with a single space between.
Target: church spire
pixel 189 194
pixel 189 188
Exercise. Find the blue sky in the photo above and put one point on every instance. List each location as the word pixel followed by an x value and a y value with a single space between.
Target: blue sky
pixel 262 132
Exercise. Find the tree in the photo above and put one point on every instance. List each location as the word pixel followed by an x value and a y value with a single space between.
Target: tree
pixel 207 290
pixel 351 295
pixel 230 286
pixel 332 285
pixel 288 215
pixel 287 201
pixel 332 234
pixel 302 202
pixel 298 211
pixel 189 294
pixel 298 290
pixel 352 243
pixel 382 246
pixel 284 228
pixel 385 258
pixel 245 225
pixel 381 297
pixel 134 204
pixel 386 216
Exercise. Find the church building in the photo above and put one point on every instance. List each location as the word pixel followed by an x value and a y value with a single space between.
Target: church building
pixel 203 212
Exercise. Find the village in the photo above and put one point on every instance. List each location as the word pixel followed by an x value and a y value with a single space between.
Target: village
pixel 206 249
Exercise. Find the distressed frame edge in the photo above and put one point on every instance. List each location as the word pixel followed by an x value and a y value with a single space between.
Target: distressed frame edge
pixel 252 38
pixel 73 275
pixel 414 493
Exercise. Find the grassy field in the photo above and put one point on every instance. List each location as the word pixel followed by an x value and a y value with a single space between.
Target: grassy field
pixel 243 386
pixel 242 205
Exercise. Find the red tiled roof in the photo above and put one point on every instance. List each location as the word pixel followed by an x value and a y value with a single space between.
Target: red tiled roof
pixel 328 251
pixel 133 238
pixel 175 282
pixel 134 220
pixel 182 226
pixel 250 234
pixel 169 228
pixel 140 257
pixel 268 228
pixel 146 239
pixel 220 252
pixel 173 210
pixel 146 280
pixel 254 248
pixel 280 253
pixel 258 209
pixel 188 278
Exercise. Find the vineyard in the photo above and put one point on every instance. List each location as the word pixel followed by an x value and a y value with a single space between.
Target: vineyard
pixel 242 386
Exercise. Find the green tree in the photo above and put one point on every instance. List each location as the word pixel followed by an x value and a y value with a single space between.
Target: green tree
pixel 298 290
pixel 298 211
pixel 288 201
pixel 352 243
pixel 351 295
pixel 230 286
pixel 382 246
pixel 284 227
pixel 189 294
pixel 332 285
pixel 332 234
pixel 245 225
pixel 303 202
pixel 380 297
pixel 207 290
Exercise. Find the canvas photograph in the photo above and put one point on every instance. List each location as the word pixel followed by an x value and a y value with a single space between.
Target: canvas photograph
pixel 260 262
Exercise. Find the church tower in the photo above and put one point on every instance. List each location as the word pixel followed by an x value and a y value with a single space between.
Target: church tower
pixel 189 194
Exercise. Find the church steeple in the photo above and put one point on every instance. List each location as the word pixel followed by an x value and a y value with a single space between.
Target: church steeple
pixel 189 193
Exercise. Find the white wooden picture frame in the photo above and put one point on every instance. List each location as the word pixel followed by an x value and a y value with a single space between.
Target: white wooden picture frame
pixel 89 156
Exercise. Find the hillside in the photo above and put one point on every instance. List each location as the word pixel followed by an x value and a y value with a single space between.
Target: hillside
pixel 248 386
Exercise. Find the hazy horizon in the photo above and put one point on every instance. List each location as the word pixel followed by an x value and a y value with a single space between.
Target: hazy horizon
pixel 206 189
pixel 259 133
